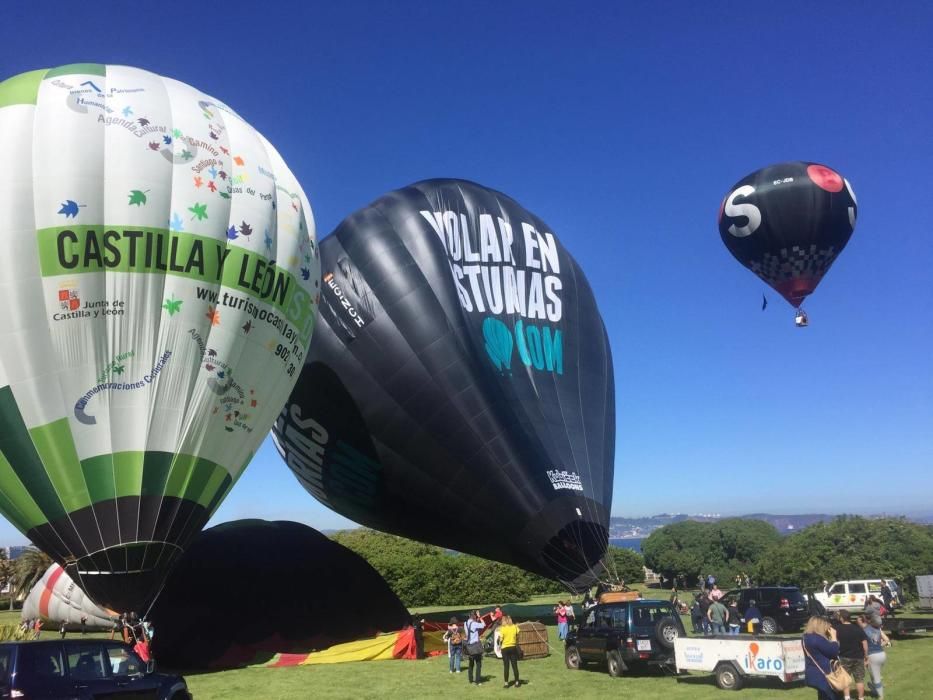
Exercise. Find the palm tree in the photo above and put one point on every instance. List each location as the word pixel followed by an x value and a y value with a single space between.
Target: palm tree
pixel 29 567
pixel 6 575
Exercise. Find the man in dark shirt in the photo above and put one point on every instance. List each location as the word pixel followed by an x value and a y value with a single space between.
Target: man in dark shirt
pixel 853 650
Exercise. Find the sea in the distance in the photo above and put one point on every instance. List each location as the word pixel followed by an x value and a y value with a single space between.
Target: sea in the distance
pixel 633 543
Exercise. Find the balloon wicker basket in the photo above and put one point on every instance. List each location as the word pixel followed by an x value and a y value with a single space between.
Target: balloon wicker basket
pixel 532 640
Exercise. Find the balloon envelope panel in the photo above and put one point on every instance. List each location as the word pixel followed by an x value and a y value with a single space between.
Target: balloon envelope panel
pixel 787 223
pixel 160 276
pixel 252 586
pixel 56 598
pixel 465 382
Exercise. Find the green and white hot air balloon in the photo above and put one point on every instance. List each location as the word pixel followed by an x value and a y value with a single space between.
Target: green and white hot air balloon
pixel 159 279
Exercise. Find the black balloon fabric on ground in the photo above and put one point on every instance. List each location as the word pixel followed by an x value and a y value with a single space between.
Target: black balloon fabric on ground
pixel 253 587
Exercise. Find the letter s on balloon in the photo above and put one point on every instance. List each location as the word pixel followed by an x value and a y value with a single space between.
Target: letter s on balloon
pixel 748 210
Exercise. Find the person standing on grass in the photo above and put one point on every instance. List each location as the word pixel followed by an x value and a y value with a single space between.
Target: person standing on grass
pixel 877 642
pixel 820 648
pixel 735 617
pixel 853 651
pixel 454 644
pixel 561 612
pixel 473 626
pixel 704 608
pixel 696 616
pixel 715 593
pixel 509 632
pixel 753 617
pixel 717 616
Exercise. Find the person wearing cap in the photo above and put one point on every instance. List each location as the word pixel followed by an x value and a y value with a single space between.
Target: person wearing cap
pixel 454 640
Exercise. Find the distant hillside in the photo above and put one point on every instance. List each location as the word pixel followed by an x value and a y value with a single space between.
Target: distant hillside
pixel 622 528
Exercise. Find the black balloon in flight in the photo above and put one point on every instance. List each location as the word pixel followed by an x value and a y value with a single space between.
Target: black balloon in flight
pixel 459 389
pixel 787 223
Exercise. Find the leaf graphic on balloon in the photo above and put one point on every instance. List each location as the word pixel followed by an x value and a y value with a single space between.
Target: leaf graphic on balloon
pixel 173 305
pixel 167 140
pixel 211 186
pixel 246 230
pixel 69 208
pixel 305 273
pixel 231 233
pixel 153 145
pixel 137 197
pixel 198 181
pixel 176 224
pixel 187 155
pixel 142 121
pixel 498 343
pixel 199 211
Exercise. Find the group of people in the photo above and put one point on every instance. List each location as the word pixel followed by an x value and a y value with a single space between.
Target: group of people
pixel 857 645
pixel 31 628
pixel 468 640
pixel 709 615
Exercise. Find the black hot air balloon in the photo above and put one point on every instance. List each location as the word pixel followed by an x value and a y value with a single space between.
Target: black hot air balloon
pixel 459 390
pixel 787 223
pixel 305 592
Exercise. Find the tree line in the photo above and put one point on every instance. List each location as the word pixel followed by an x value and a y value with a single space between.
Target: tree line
pixel 422 574
pixel 845 548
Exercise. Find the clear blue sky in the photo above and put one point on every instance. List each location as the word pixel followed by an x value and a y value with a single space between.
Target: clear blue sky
pixel 622 124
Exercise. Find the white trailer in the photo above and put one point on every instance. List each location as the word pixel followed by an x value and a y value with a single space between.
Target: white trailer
pixel 925 591
pixel 733 658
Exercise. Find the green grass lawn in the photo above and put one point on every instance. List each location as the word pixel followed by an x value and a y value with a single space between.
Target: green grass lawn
pixel 908 676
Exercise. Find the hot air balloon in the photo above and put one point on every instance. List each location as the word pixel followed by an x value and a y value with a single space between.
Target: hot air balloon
pixel 464 380
pixel 57 599
pixel 787 223
pixel 309 591
pixel 159 277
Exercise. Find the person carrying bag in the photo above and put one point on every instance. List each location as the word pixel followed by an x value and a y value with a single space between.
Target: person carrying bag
pixel 474 647
pixel 824 673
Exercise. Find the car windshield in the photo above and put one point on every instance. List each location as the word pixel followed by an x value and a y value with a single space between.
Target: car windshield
pixel 648 614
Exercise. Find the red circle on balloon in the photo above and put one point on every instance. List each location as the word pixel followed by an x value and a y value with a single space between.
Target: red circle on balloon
pixel 827 178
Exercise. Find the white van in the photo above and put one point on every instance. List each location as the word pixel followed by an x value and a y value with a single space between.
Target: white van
pixel 851 595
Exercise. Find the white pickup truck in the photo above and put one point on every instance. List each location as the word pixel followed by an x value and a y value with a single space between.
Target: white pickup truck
pixel 733 658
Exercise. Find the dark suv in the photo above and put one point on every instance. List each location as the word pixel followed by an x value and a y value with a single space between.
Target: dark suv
pixel 623 635
pixel 82 669
pixel 783 608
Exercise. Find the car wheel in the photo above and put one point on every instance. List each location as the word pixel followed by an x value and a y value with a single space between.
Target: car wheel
pixel 769 626
pixel 666 631
pixel 614 661
pixel 727 678
pixel 572 658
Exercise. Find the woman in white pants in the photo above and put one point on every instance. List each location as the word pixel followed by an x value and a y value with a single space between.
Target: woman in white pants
pixel 877 642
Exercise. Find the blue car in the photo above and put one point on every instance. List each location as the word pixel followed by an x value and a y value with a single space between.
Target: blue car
pixel 82 669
